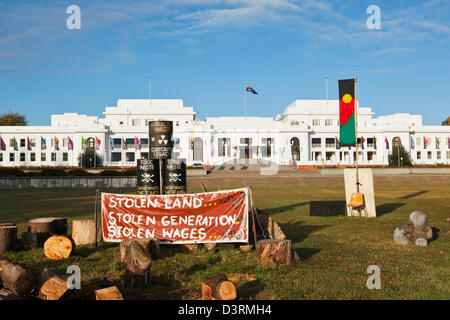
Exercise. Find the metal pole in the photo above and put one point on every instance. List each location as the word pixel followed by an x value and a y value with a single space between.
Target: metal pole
pixel 161 182
pixel 253 215
pixel 398 152
pixel 96 217
pixel 245 102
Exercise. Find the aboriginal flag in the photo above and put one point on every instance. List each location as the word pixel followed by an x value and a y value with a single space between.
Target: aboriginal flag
pixel 347 135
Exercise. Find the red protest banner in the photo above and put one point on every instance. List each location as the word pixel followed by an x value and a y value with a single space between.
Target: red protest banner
pixel 210 217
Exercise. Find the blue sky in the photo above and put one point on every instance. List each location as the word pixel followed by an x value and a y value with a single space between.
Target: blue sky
pixel 204 51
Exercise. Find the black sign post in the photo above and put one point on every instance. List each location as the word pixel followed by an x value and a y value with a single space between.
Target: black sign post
pixel 160 145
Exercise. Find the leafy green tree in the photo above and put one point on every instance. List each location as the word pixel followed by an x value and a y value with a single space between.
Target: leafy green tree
pixel 90 159
pixel 12 119
pixel 405 159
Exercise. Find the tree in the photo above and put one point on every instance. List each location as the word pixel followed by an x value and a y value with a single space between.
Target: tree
pixel 446 122
pixel 405 158
pixel 90 158
pixel 12 119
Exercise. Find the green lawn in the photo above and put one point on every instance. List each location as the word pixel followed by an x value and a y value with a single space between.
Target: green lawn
pixel 335 251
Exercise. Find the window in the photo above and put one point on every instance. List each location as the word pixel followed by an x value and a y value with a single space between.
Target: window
pixel 448 154
pixel 1 157
pixel 22 156
pixel 316 142
pixel 116 156
pixel 43 156
pixel 121 123
pixel 144 142
pixel 329 156
pixel 65 156
pixel 328 122
pixel 53 156
pixel 370 155
pixel 266 149
pixel 370 142
pixel 11 142
pixel 438 155
pixel 418 156
pixel 22 142
pixel 330 143
pixel 438 143
pixel 32 156
pixel 65 142
pixel 130 156
pixel 117 143
pixel 136 122
pixel 11 157
pixel 429 155
pixel 316 122
pixel 33 142
pixel 247 141
pixel 129 142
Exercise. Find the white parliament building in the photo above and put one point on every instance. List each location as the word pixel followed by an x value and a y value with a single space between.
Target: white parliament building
pixel 305 134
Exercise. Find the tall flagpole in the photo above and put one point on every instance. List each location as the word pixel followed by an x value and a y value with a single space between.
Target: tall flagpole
pixel 150 91
pixel 245 102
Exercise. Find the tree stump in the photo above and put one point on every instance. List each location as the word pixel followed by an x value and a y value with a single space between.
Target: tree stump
pixel 8 237
pixel 58 247
pixel 273 252
pixel 16 278
pixel 138 264
pixel 218 287
pixel 33 240
pixel 51 287
pixel 40 229
pixel 150 245
pixel 271 227
pixel 83 232
pixel 49 225
pixel 110 293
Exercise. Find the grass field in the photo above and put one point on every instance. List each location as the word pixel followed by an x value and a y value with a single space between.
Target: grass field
pixel 335 251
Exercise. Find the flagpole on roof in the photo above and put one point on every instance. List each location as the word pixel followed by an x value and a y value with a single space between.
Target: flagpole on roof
pixel 150 91
pixel 245 102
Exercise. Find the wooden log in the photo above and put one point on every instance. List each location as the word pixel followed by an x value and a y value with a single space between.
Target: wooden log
pixel 272 252
pixel 271 227
pixel 51 225
pixel 218 287
pixel 16 278
pixel 6 295
pixel 152 246
pixel 50 286
pixel 8 237
pixel 111 293
pixel 138 264
pixel 58 247
pixel 83 232
pixel 33 240
pixel 60 226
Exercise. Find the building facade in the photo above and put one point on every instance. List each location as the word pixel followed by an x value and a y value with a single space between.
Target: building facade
pixel 306 133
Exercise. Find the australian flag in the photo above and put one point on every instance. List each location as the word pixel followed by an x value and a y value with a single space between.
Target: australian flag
pixel 248 88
